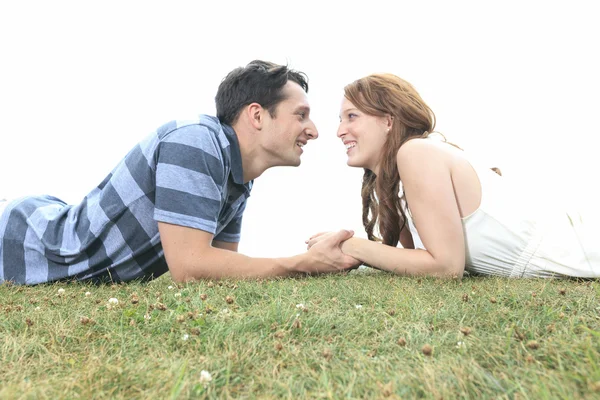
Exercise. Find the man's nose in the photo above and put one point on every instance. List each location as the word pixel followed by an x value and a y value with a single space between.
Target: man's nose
pixel 312 132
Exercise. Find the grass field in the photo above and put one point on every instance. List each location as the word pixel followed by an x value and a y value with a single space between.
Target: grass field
pixel 361 335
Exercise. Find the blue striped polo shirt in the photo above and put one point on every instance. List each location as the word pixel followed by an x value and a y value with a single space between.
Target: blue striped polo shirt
pixel 186 173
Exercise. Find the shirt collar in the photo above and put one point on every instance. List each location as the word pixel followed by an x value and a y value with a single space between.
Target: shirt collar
pixel 237 169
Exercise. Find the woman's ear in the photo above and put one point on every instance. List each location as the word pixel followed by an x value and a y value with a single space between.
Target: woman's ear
pixel 389 120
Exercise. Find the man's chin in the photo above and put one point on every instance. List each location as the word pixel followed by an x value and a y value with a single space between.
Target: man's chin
pixel 291 163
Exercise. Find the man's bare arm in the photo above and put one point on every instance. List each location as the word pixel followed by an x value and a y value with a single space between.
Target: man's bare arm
pixel 190 255
pixel 231 246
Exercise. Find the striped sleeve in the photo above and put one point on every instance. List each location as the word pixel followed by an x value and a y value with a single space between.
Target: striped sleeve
pixel 189 178
pixel 232 232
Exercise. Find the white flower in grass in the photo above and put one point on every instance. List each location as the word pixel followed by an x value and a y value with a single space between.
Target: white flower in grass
pixel 185 337
pixel 147 317
pixel 205 377
pixel 225 311
pixel 37 308
pixel 88 294
pixel 358 306
pixel 61 291
pixel 113 301
pixel 177 294
pixel 300 306
pixel 460 345
pixel 170 287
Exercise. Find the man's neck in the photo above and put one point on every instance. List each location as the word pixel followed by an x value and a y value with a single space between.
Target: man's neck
pixel 253 161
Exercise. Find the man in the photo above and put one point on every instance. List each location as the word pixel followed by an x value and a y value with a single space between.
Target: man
pixel 176 201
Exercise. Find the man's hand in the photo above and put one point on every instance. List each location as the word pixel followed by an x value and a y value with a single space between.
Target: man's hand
pixel 326 255
pixel 194 254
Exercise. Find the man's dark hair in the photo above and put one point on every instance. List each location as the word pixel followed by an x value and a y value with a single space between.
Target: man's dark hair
pixel 259 82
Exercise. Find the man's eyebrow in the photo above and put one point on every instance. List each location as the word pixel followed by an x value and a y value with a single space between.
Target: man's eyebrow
pixel 303 108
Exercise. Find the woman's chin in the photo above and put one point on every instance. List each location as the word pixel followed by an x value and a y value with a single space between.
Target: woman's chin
pixel 354 163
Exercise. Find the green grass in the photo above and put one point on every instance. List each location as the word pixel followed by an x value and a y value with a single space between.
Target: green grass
pixel 528 339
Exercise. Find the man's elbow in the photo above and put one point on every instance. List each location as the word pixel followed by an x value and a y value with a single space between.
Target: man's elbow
pixel 182 272
pixel 178 272
pixel 188 267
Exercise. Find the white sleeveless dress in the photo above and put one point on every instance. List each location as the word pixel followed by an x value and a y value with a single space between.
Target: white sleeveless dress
pixel 515 234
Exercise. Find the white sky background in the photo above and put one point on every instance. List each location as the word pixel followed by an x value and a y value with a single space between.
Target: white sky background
pixel 517 82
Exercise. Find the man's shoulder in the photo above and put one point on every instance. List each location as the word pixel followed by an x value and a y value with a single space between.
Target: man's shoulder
pixel 206 121
pixel 203 125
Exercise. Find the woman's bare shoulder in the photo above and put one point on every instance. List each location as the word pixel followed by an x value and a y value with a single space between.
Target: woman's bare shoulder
pixel 419 150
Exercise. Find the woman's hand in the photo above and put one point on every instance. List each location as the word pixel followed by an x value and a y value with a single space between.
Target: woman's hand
pixel 326 250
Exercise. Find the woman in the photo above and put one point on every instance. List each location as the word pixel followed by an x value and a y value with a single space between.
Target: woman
pixel 417 188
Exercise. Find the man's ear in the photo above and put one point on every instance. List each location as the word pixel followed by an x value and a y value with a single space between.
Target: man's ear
pixel 256 115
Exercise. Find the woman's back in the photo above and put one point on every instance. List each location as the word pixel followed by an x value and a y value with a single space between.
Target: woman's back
pixel 512 232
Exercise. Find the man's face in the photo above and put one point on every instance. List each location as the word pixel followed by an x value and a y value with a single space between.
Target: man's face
pixel 290 129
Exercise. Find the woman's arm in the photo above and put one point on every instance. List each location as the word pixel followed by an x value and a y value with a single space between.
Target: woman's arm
pixel 426 171
pixel 398 260
pixel 406 239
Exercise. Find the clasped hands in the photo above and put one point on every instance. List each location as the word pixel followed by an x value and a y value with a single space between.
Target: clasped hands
pixel 326 248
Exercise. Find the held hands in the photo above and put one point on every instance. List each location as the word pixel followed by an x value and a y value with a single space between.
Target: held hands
pixel 316 238
pixel 325 250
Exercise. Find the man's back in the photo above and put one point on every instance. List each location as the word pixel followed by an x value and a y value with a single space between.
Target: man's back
pixel 179 174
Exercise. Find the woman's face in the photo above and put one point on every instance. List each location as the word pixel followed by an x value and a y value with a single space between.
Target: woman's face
pixel 363 135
